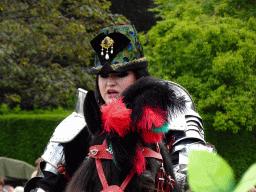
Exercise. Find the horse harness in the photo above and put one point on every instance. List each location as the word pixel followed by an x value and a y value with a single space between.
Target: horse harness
pixel 98 152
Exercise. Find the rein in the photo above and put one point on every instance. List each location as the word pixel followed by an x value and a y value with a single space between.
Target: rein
pixel 99 152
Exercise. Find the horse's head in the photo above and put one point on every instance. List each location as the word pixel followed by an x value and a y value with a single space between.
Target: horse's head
pixel 127 149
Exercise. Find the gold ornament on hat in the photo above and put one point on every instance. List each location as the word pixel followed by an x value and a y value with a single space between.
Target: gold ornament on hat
pixel 106 43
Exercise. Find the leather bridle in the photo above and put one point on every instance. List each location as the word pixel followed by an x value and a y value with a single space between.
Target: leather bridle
pixel 98 152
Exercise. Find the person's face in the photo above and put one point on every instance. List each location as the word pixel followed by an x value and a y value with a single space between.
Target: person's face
pixel 112 85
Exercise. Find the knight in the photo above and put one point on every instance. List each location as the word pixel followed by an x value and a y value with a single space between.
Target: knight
pixel 119 62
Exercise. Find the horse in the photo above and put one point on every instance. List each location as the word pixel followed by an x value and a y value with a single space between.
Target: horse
pixel 125 154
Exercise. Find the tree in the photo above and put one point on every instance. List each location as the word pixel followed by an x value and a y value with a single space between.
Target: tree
pixel 45 49
pixel 211 56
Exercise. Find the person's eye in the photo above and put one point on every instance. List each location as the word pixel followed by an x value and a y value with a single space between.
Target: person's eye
pixel 103 75
pixel 123 74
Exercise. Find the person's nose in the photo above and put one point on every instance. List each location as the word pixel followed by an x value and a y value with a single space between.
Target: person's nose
pixel 111 81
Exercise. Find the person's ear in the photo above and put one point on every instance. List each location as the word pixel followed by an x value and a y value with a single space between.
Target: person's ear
pixel 92 114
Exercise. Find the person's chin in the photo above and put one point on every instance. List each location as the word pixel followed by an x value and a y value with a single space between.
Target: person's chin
pixel 112 98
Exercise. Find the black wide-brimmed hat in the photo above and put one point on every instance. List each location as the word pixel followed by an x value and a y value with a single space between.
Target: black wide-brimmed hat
pixel 118 49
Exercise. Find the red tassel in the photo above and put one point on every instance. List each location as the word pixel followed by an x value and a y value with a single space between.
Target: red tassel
pixel 116 117
pixel 152 117
pixel 139 162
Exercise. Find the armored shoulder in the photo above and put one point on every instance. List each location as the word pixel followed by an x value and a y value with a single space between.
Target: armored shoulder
pixel 53 155
pixel 70 127
pixel 65 132
pixel 186 133
pixel 189 117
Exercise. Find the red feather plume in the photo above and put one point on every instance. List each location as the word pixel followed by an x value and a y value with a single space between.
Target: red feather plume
pixel 151 117
pixel 150 137
pixel 139 162
pixel 116 117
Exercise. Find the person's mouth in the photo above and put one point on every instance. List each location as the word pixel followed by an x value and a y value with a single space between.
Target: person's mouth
pixel 112 93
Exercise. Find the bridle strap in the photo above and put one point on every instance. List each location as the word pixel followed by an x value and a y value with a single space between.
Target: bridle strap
pixel 99 152
pixel 151 154
pixel 101 174
pixel 164 180
pixel 104 180
pixel 128 179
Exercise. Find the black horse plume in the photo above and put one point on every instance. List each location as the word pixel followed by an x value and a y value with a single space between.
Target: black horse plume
pixel 139 115
pixel 155 93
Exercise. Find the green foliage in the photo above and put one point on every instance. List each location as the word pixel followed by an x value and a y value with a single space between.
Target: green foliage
pixel 45 49
pixel 212 57
pixel 5 110
pixel 25 136
pixel 209 172
pixel 242 9
pixel 238 149
pixel 248 180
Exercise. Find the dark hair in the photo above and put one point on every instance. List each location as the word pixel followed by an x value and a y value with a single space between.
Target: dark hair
pixel 138 74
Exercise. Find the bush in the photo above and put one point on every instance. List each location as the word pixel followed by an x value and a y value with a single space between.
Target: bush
pixel 5 110
pixel 25 136
pixel 212 57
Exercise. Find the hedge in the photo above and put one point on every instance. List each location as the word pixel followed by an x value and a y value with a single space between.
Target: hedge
pixel 24 137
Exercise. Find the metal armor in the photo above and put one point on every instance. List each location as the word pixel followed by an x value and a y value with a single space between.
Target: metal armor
pixel 68 129
pixel 187 134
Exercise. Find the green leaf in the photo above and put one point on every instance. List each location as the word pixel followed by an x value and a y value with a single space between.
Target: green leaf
pixel 248 180
pixel 208 172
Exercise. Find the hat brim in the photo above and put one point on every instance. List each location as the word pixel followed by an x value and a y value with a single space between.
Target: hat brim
pixel 118 69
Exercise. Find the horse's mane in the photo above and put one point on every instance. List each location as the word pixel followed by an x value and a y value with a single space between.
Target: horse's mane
pixel 72 158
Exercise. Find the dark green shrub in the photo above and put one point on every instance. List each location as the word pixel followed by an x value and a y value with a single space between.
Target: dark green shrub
pixel 25 137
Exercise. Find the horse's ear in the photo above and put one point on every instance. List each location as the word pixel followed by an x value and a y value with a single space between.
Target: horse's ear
pixel 92 114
